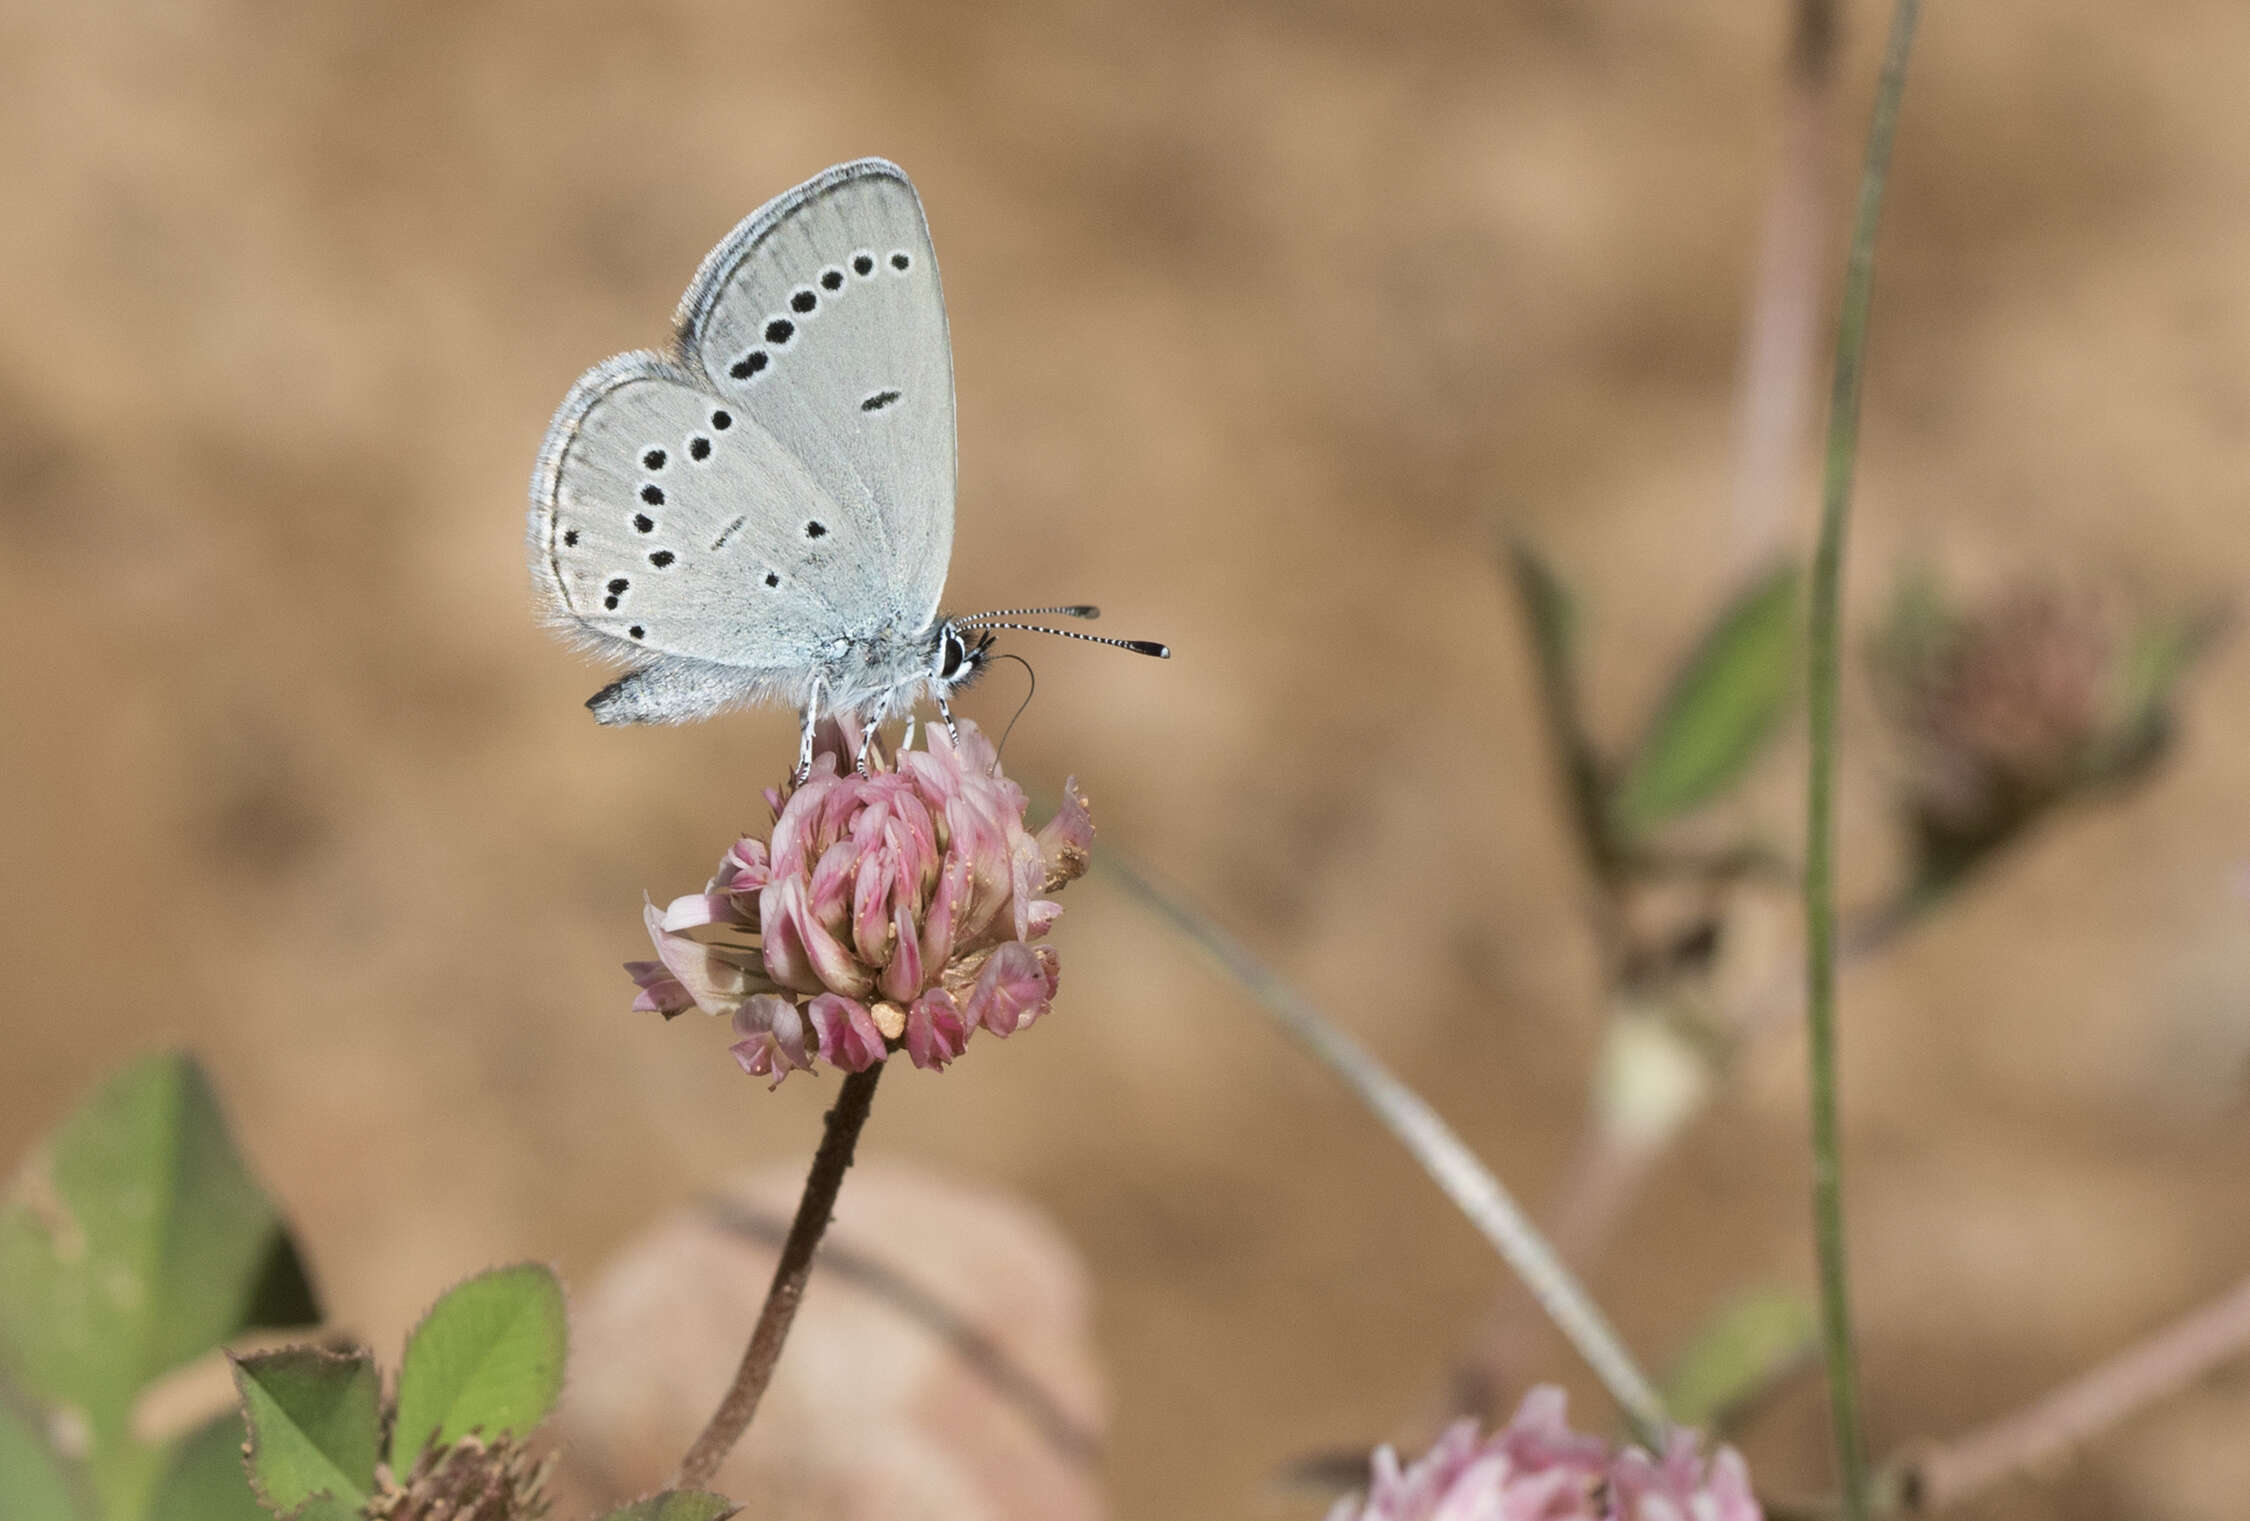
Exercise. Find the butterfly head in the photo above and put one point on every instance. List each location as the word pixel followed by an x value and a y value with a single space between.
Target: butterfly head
pixel 957 656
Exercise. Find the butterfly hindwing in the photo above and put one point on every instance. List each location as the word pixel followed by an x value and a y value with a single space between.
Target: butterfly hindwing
pixel 821 319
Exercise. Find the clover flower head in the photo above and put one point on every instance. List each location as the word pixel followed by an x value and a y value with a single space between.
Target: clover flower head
pixel 895 910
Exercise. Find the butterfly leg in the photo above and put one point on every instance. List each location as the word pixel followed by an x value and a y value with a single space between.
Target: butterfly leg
pixel 804 741
pixel 867 743
pixel 945 712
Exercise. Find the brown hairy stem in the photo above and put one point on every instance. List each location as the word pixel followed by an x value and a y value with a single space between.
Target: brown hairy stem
pixel 982 1355
pixel 822 1183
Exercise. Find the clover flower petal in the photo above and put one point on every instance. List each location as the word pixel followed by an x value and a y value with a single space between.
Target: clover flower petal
pixel 773 1038
pixel 1012 989
pixel 714 981
pixel 661 992
pixel 937 1031
pixel 848 1035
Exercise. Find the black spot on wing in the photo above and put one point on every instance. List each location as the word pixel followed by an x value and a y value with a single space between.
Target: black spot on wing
pixel 879 401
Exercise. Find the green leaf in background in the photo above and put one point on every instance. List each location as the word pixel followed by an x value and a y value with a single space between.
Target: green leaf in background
pixel 676 1505
pixel 205 1480
pixel 1723 704
pixel 1918 622
pixel 2160 653
pixel 34 1483
pixel 1739 1353
pixel 1548 607
pixel 312 1422
pixel 488 1357
pixel 134 1241
pixel 1551 619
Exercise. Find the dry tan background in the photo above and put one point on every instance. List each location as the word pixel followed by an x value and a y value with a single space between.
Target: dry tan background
pixel 1264 314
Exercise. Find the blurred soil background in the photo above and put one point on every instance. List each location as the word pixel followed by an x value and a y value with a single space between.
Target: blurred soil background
pixel 1265 315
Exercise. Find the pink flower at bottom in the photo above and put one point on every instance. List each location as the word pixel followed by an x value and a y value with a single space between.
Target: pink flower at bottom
pixel 1537 1469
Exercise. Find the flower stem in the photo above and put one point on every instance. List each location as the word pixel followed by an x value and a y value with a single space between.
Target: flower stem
pixel 834 1158
pixel 1781 340
pixel 2161 1364
pixel 1432 1143
pixel 1820 833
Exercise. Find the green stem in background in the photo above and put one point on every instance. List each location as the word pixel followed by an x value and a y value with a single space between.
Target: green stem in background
pixel 1820 831
pixel 740 1403
pixel 1432 1143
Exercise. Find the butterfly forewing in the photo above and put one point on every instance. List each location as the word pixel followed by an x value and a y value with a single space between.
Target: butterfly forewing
pixel 821 319
pixel 673 524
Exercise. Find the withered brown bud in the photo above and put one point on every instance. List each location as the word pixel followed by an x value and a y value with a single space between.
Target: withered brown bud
pixel 469 1481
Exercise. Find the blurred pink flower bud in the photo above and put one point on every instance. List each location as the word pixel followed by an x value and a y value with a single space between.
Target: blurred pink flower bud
pixel 2017 705
pixel 887 911
pixel 1537 1469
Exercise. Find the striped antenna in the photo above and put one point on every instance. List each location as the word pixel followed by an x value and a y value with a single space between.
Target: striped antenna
pixel 1137 646
pixel 1079 611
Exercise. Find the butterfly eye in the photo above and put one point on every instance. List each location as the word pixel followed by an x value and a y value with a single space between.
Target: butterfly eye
pixel 954 655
